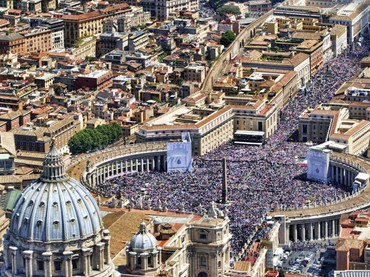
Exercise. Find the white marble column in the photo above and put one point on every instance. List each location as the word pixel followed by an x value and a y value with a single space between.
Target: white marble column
pixel 106 240
pixel 333 228
pixel 14 259
pixel 27 255
pixel 86 267
pixel 325 230
pixel 295 232
pixel 99 256
pixel 303 232
pixel 67 260
pixel 133 260
pixel 144 261
pixel 318 230
pixel 47 264
pixel 310 228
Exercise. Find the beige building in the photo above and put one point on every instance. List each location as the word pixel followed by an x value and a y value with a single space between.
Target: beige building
pixel 163 9
pixel 355 16
pixel 332 122
pixel 87 48
pixel 209 128
pixel 77 27
pixel 137 40
pixel 194 73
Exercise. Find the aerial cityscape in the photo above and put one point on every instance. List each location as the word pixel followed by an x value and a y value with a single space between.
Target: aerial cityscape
pixel 185 138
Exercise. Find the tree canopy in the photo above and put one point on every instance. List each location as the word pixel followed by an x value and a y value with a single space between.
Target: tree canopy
pixel 91 139
pixel 224 10
pixel 227 38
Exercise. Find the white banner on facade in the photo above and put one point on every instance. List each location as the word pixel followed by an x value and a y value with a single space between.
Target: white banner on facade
pixel 318 165
pixel 179 156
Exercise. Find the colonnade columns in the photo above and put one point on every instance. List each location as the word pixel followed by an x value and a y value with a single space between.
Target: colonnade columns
pixel 317 230
pixel 157 163
pixel 333 233
pixel 332 173
pixel 47 264
pixel 325 230
pixel 310 231
pixel 27 255
pixel 67 263
pixel 303 232
pixel 295 233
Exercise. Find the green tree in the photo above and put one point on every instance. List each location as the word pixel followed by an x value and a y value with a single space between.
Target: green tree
pixel 58 90
pixel 224 10
pixel 227 38
pixel 91 139
pixel 179 81
pixel 275 48
pixel 247 15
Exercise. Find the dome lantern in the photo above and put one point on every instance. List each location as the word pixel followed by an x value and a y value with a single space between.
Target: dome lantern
pixel 54 170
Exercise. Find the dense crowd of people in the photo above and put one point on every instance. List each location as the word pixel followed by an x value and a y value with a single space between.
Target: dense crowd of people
pixel 260 179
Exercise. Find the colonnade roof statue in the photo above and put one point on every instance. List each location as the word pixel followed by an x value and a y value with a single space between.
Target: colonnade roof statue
pixel 57 215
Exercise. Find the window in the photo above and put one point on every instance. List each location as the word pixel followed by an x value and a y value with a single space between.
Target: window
pixel 304 129
pixel 40 265
pixel 75 263
pixel 57 265
pixel 203 261
pixel 203 236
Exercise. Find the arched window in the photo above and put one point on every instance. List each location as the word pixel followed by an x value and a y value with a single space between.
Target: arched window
pixel 202 274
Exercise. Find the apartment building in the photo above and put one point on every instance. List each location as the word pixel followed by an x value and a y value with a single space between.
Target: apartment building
pixel 37 39
pixel 107 42
pixel 137 40
pixel 314 49
pixel 79 26
pixel 12 43
pixel 33 6
pixel 299 63
pixel 194 73
pixel 353 248
pixel 162 9
pixel 38 139
pixel 339 39
pixel 15 119
pixel 136 18
pixel 96 80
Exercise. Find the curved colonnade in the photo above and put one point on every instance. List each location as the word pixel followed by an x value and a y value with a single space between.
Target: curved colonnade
pixel 95 168
pixel 300 224
pixel 323 222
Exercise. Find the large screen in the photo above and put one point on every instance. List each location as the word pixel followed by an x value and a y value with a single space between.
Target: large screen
pixel 179 156
pixel 318 165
